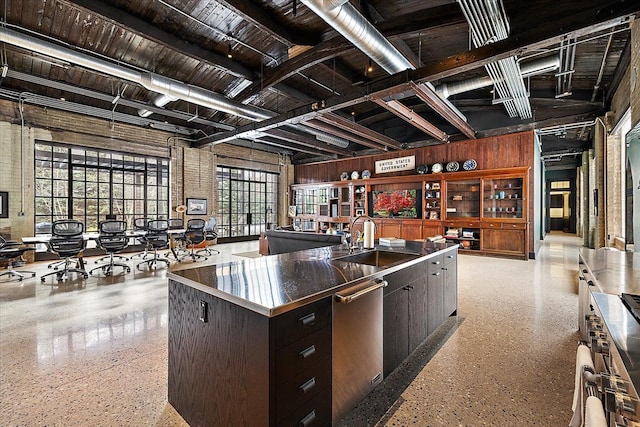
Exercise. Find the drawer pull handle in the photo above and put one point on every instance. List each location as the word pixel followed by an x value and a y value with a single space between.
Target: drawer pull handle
pixel 584 270
pixel 437 273
pixel 308 320
pixel 450 256
pixel 306 421
pixel 304 388
pixel 445 269
pixel 307 352
pixel 435 262
pixel 590 283
pixel 581 278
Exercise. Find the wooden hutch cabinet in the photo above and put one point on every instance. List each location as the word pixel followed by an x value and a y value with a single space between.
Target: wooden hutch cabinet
pixel 485 211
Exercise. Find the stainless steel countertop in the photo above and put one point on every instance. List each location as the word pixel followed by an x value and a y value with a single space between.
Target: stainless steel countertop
pixel 274 284
pixel 615 271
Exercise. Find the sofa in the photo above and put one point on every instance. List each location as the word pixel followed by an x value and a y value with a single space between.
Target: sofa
pixel 283 241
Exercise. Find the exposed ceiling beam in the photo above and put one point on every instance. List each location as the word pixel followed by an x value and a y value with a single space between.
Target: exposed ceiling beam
pixel 393 28
pixel 355 128
pixel 145 30
pixel 307 141
pixel 332 130
pixel 121 101
pixel 427 93
pixel 269 140
pixel 548 33
pixel 267 23
pixel 408 115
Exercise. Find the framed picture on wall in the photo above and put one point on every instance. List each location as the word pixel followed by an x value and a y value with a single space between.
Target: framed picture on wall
pixel 196 206
pixel 292 211
pixel 4 204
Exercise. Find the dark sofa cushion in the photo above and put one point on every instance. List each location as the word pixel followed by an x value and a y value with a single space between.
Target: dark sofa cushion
pixel 281 241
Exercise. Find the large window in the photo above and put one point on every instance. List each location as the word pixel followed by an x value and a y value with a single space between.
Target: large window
pixel 88 185
pixel 247 202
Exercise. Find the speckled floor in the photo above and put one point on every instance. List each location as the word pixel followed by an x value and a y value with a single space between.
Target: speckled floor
pixel 95 354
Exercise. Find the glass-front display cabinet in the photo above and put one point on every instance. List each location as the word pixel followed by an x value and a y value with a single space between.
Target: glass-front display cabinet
pixel 502 198
pixel 432 200
pixel 463 199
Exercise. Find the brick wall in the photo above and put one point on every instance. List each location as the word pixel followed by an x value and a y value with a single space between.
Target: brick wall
pixel 192 170
pixel 635 72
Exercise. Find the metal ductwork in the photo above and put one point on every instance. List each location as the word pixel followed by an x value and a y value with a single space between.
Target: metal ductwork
pixel 488 24
pixel 170 88
pixel 345 19
pixel 527 69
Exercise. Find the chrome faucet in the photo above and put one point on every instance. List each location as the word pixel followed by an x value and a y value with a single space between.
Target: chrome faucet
pixel 354 242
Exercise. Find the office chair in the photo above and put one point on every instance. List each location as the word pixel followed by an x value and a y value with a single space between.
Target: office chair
pixel 178 240
pixel 140 225
pixel 113 238
pixel 157 238
pixel 195 235
pixel 67 241
pixel 210 235
pixel 10 250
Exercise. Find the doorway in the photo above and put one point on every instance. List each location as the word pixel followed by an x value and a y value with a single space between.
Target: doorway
pixel 561 206
pixel 247 203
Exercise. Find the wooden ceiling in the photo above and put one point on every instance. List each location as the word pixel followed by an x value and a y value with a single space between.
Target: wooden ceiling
pixel 308 81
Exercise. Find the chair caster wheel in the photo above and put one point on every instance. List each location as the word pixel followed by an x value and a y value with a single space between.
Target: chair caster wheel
pixel 19 279
pixel 86 276
pixel 42 280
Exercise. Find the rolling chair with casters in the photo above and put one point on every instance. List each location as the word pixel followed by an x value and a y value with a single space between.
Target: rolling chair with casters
pixel 195 235
pixel 140 225
pixel 9 251
pixel 157 238
pixel 113 239
pixel 177 240
pixel 210 235
pixel 67 242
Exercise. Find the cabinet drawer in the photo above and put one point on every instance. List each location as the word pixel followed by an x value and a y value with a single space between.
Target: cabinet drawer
pixel 510 226
pixel 461 223
pixel 450 257
pixel 301 355
pixel 301 389
pixel 494 225
pixel 435 264
pixel 293 325
pixel 315 413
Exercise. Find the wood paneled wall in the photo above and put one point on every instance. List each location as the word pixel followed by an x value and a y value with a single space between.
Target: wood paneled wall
pixel 497 152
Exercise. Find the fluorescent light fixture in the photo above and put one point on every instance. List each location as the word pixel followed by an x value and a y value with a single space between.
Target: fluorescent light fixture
pixel 5 70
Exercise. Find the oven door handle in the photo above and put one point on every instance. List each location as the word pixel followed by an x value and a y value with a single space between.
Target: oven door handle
pixel 346 299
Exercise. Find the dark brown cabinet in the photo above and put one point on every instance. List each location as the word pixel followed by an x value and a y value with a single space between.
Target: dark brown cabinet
pixel 414 305
pixel 276 371
pixel 485 211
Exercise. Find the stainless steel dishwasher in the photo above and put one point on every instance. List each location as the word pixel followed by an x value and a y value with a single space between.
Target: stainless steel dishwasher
pixel 357 345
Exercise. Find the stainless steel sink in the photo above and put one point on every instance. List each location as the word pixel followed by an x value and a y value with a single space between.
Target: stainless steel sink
pixel 378 258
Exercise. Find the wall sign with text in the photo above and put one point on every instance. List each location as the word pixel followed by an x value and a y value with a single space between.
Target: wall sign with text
pixel 395 165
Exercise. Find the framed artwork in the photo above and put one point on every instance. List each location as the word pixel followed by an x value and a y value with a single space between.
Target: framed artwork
pixel 196 206
pixel 433 215
pixel 4 204
pixel 292 211
pixel 359 211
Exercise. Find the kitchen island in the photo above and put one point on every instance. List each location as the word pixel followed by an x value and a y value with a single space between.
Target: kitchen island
pixel 267 341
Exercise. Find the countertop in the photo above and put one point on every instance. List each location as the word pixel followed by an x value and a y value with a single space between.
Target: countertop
pixel 615 271
pixel 274 284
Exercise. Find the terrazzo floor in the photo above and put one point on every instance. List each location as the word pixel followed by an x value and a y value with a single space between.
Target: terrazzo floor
pixel 94 353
